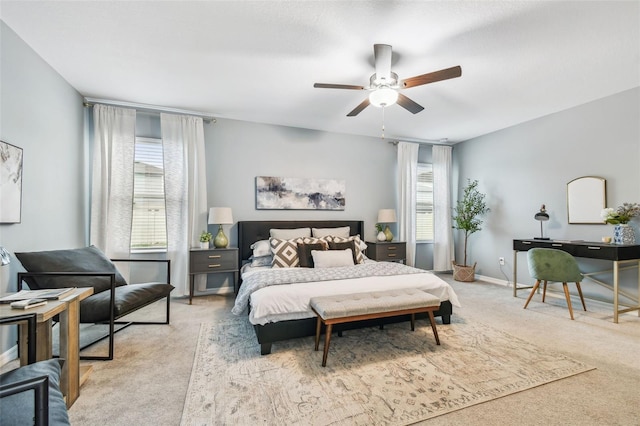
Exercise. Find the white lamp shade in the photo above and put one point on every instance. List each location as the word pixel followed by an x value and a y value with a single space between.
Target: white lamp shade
pixel 220 215
pixel 383 97
pixel 386 216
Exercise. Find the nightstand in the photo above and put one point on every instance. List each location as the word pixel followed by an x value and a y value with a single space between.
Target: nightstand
pixel 213 261
pixel 390 251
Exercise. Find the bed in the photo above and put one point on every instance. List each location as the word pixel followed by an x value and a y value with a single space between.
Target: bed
pixel 274 327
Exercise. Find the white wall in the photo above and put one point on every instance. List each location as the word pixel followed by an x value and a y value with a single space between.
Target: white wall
pixel 238 151
pixel 522 167
pixel 42 114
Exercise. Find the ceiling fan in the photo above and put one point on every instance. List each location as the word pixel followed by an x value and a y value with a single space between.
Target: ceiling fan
pixel 384 84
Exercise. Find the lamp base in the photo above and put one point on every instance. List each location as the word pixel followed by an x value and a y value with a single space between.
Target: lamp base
pixel 541 238
pixel 387 233
pixel 220 241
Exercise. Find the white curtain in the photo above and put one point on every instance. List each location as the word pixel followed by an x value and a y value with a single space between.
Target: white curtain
pixel 407 186
pixel 112 180
pixel 185 191
pixel 442 232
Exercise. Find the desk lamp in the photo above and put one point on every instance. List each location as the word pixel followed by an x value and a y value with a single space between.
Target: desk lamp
pixel 220 216
pixel 542 216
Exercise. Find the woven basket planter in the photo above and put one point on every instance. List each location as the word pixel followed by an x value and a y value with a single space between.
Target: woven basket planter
pixel 464 273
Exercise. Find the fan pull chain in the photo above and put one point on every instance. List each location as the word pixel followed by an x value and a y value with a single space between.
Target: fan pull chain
pixel 382 122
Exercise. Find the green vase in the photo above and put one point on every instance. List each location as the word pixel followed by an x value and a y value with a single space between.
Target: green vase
pixel 388 234
pixel 220 241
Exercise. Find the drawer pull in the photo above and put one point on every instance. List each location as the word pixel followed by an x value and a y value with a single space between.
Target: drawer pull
pixel 215 265
pixel 215 256
pixel 526 242
pixel 556 245
pixel 392 248
pixel 391 255
pixel 593 248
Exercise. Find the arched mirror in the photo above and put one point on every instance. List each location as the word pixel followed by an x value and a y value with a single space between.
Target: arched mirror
pixel 586 197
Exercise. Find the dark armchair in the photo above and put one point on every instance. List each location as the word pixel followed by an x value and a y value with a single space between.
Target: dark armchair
pixel 113 297
pixel 31 394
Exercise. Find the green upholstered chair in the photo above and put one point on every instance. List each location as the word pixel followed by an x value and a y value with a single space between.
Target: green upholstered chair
pixel 557 266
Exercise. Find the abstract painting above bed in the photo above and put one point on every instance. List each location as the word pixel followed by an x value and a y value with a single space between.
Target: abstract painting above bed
pixel 285 193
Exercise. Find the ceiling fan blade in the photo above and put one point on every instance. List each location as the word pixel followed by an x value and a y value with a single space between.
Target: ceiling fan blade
pixel 408 104
pixel 382 55
pixel 337 86
pixel 432 77
pixel 357 110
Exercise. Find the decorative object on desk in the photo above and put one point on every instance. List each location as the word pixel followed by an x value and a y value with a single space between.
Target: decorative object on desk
pixel 542 216
pixel 205 239
pixel 387 216
pixel 220 216
pixel 606 240
pixel 380 236
pixel 623 234
pixel 10 183
pixel 285 193
pixel 620 217
pixel 466 218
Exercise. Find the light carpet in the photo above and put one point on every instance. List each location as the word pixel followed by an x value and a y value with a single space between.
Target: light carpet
pixel 373 377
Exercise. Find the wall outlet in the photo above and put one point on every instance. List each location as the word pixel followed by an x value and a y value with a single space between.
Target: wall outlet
pixel 501 260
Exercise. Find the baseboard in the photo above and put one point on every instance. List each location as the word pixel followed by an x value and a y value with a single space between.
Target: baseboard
pixel 9 355
pixel 493 280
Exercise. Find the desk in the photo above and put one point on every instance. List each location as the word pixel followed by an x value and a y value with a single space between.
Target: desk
pixel 68 310
pixel 619 254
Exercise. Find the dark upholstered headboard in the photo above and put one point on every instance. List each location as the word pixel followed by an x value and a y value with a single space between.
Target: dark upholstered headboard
pixel 251 231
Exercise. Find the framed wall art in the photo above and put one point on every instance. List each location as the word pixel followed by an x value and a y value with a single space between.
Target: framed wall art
pixel 284 193
pixel 10 183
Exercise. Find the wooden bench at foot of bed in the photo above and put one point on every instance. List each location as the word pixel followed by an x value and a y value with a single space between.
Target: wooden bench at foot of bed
pixel 345 308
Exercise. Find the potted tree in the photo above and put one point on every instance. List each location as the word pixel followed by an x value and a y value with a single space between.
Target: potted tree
pixel 466 218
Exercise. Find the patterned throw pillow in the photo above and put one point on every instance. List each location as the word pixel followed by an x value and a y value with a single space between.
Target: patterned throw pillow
pixel 285 252
pixel 359 256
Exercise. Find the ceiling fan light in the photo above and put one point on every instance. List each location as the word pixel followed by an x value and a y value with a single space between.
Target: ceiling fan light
pixel 384 96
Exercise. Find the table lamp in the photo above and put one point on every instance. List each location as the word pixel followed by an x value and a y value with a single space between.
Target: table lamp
pixel 542 216
pixel 220 216
pixel 387 216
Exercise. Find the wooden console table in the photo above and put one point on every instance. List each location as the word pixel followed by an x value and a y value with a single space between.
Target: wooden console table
pixel 68 309
pixel 619 254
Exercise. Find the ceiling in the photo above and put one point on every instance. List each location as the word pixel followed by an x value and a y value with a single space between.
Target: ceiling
pixel 258 61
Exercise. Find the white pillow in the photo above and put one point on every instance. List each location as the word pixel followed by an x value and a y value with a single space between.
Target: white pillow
pixel 261 248
pixel 334 232
pixel 332 258
pixel 289 234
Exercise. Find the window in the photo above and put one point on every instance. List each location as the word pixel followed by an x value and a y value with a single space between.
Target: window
pixel 424 203
pixel 149 225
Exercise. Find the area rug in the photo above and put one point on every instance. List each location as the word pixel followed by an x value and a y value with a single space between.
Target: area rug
pixel 373 377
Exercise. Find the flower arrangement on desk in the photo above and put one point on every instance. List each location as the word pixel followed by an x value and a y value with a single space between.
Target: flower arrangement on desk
pixel 621 215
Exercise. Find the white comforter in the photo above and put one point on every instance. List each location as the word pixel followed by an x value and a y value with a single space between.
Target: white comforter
pixel 281 301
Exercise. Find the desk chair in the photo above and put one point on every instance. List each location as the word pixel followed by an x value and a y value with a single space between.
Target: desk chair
pixel 554 265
